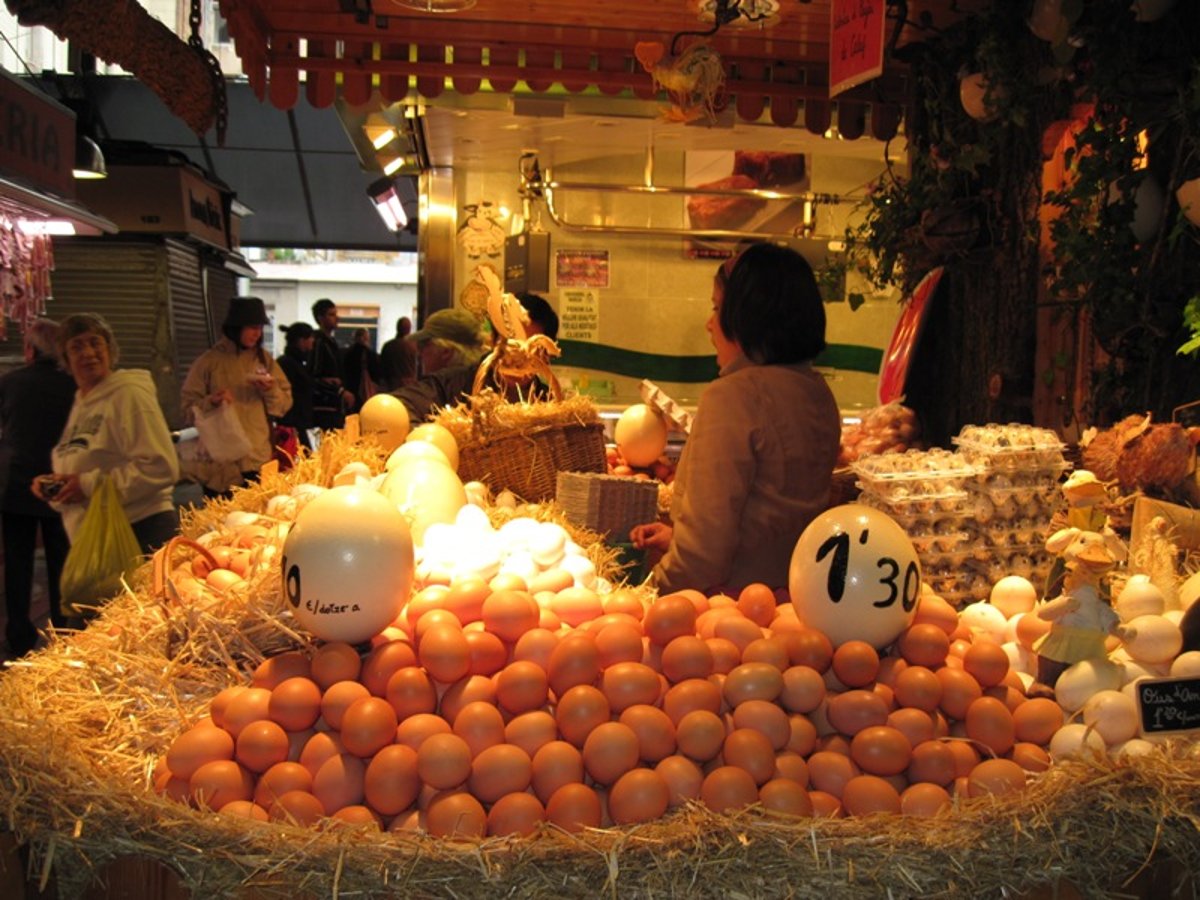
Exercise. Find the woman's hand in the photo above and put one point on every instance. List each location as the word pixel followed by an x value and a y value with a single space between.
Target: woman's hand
pixel 652 536
pixel 57 488
pixel 225 395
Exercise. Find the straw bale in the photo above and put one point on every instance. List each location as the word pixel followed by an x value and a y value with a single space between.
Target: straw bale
pixel 489 416
pixel 83 722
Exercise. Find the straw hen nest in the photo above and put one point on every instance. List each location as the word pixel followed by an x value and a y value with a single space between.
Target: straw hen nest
pixel 83 723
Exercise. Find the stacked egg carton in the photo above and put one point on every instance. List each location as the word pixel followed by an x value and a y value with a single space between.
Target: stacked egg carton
pixel 1013 495
pixel 925 491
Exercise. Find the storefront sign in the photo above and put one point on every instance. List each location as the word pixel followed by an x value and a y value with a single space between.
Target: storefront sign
pixel 37 138
pixel 1169 704
pixel 579 315
pixel 161 200
pixel 855 43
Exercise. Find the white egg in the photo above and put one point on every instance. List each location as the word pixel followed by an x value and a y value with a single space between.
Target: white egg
pixel 441 540
pixel 471 520
pixel 546 544
pixel 517 533
pixel 1132 748
pixel 1078 741
pixel 351 472
pixel 572 548
pixel 641 434
pixel 1085 679
pixel 1012 595
pixel 1019 659
pixel 1189 591
pixel 307 490
pixel 481 561
pixel 1139 597
pixel 1157 640
pixel 1027 680
pixel 1186 665
pixel 506 499
pixel 416 450
pixel 521 564
pixel 238 518
pixel 438 435
pixel 1135 670
pixel 477 493
pixel 582 569
pixel 1113 714
pixel 281 506
pixel 602 586
pixel 1174 616
pixel 984 619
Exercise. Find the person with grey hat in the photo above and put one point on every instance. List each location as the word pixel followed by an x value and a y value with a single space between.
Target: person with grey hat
pixel 238 371
pixel 450 346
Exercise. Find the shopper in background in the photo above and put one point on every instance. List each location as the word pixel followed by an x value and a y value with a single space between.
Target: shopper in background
pixel 758 462
pixel 450 346
pixel 115 428
pixel 542 317
pixel 330 397
pixel 35 401
pixel 294 361
pixel 238 371
pixel 398 357
pixel 360 364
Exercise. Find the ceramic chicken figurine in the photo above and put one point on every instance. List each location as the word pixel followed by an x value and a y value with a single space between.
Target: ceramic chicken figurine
pixel 517 357
pixel 692 79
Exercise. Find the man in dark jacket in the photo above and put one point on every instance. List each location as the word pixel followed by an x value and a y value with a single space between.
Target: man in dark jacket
pixel 330 398
pixel 35 401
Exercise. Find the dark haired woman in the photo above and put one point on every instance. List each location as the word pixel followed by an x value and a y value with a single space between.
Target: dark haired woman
pixel 238 371
pixel 297 354
pixel 758 462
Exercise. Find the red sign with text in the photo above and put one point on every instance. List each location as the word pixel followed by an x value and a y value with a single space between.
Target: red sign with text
pixel 856 33
pixel 37 138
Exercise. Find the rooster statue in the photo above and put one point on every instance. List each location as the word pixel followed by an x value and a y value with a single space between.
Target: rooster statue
pixel 692 79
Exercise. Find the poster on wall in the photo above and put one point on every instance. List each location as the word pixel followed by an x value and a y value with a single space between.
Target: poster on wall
pixel 856 34
pixel 744 170
pixel 581 268
pixel 579 315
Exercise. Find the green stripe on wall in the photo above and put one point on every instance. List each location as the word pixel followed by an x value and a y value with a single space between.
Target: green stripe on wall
pixel 695 369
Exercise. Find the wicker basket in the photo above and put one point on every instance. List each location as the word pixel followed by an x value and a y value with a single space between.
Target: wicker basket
pixel 607 504
pixel 527 463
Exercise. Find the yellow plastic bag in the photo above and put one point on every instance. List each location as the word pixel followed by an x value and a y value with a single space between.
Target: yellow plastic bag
pixel 104 549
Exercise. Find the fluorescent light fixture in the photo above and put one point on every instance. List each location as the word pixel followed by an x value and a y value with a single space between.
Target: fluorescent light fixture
pixel 393 164
pixel 46 226
pixel 89 161
pixel 387 204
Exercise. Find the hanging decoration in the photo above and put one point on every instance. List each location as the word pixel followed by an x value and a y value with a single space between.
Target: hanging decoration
pixel 693 79
pixel 481 234
pixel 26 261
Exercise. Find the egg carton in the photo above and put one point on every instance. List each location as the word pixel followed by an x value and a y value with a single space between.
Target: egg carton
pixel 1014 534
pixel 984 508
pixel 937 559
pixel 916 509
pixel 1014 447
pixel 938 543
pixel 913 465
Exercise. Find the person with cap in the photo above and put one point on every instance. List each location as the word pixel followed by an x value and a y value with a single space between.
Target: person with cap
pixel 116 429
pixel 35 401
pixel 759 460
pixel 330 397
pixel 450 346
pixel 294 361
pixel 237 371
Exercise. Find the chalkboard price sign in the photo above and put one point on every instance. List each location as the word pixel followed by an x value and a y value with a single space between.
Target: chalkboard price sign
pixel 1169 704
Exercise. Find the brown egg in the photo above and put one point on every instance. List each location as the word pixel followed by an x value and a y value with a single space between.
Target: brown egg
pixel 508 581
pixel 444 652
pixel 198 745
pixel 519 813
pixel 728 788
pixel 521 686
pixel 333 662
pixel 682 777
pixel 456 814
pixel 829 772
pixel 471 689
pixel 959 691
pixel 618 642
pixel 220 703
pixel 358 815
pixel 757 603
pixel 769 650
pixel 465 598
pixel 481 725
pixel 686 656
pixel 410 691
pixel 855 663
pixel 803 689
pixel 624 600
pixel 553 765
pixel 574 660
pixel 338 698
pixel 391 781
pixel 809 647
pixel 914 724
pixel 431 619
pixel 531 731
pixel 251 705
pixel 987 662
pixel 221 781
pixel 579 711
pixel 803 734
pixel 261 745
pixel 654 729
pixel 933 610
pixel 488 653
pixel 669 617
pixel 739 630
pixel 825 805
pixel 245 809
pixel 278 780
pixel 499 770
pixel 889 668
pixel 995 776
pixel 295 703
pixel 640 795
pixel 1012 697
pixel 725 654
pixel 768 719
pixel 752 681
pixel 1036 720
pixel 786 798
pixel 1030 757
pixel 881 750
pixel 918 687
pixel 297 808
pixel 574 807
pixel 508 614
pixel 339 781
pixel 627 684
pixel 791 765
pixel 274 670
pixel 989 722
pixel 610 751
pixel 750 750
pixel 690 695
pixel 368 726
pixel 700 734
pixel 444 761
pixel 320 747
pixel 867 794
pixel 834 743
pixel 852 711
pixel 965 756
pixel 924 645
pixel 553 581
pixel 1029 628
pixel 706 622
pixel 413 730
pixel 431 596
pixel 535 646
pixel 924 799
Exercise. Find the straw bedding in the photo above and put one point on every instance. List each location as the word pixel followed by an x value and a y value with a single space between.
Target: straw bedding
pixel 83 722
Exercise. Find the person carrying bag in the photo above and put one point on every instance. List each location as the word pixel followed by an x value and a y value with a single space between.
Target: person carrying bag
pixel 102 552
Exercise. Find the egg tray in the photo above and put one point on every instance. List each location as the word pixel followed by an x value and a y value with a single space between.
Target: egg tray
pixel 950 501
pixel 983 509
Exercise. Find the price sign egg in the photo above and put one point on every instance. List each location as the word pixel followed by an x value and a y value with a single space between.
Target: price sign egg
pixel 854 575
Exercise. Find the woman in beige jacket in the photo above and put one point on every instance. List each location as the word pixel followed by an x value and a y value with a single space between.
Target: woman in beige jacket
pixel 758 462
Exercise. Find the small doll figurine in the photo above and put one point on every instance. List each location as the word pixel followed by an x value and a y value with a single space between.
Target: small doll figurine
pixel 1081 618
pixel 1085 495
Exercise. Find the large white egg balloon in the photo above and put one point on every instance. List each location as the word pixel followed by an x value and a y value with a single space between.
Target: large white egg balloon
pixel 1139 597
pixel 641 434
pixel 438 435
pixel 347 564
pixel 425 492
pixel 416 450
pixel 385 418
pixel 854 575
pixel 1155 640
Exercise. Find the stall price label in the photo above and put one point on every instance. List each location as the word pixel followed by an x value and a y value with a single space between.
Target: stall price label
pixel 1169 704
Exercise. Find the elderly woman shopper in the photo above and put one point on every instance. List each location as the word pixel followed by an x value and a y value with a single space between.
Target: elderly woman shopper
pixel 238 371
pixel 116 429
pixel 758 463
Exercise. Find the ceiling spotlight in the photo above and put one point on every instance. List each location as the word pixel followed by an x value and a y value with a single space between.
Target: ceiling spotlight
pixel 89 161
pixel 387 203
